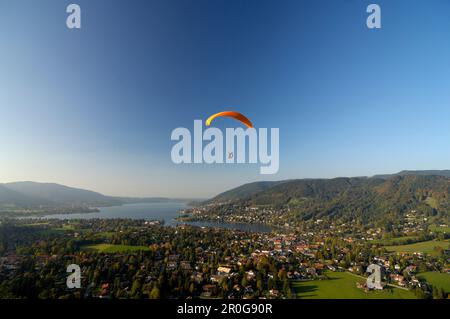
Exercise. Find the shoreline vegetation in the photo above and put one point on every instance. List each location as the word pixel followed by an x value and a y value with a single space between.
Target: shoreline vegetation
pixel 19 213
pixel 39 212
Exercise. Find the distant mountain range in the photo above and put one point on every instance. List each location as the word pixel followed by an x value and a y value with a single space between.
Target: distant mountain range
pixel 33 195
pixel 428 191
pixel 445 173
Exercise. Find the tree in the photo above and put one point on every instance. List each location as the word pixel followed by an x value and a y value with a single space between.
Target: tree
pixel 271 284
pixel 259 284
pixel 155 293
pixel 419 293
pixel 244 282
pixel 135 289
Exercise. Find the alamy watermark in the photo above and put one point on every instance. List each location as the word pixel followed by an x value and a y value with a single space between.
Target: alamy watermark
pixel 74 279
pixel 231 150
pixel 73 20
pixel 374 279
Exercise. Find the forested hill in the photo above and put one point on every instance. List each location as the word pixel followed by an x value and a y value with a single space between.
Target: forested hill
pixel 242 192
pixel 362 196
pixel 405 173
pixel 30 195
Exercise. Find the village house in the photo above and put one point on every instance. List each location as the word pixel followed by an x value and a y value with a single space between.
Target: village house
pixel 223 270
pixel 216 278
pixel 185 265
pixel 250 274
pixel 209 290
pixel 172 265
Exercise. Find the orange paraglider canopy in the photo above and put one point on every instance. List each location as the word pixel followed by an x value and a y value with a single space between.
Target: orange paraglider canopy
pixel 236 115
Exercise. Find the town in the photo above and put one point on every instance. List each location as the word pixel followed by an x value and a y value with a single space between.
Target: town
pixel 124 258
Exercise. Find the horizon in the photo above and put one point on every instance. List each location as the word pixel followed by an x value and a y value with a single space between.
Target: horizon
pixel 95 107
pixel 225 190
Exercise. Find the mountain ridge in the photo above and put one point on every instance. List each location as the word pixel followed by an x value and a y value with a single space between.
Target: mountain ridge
pixel 245 189
pixel 348 197
pixel 27 195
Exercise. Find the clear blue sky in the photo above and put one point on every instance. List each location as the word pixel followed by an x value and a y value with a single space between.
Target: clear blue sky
pixel 94 108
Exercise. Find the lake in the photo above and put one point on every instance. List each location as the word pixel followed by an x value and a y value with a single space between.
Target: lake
pixel 166 211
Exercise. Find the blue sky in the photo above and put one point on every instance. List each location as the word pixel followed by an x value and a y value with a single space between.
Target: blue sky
pixel 94 108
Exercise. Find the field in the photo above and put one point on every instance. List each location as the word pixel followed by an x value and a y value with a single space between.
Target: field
pixel 439 229
pixel 342 285
pixel 424 247
pixel 109 248
pixel 433 202
pixel 394 241
pixel 66 227
pixel 437 279
pixel 37 224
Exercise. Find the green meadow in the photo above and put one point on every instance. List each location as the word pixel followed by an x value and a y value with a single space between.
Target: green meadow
pixel 66 227
pixel 439 229
pixel 437 279
pixel 394 241
pixel 110 248
pixel 423 247
pixel 37 224
pixel 342 285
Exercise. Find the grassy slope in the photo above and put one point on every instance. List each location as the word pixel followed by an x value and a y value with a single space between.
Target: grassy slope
pixel 393 241
pixel 342 285
pixel 424 247
pixel 437 279
pixel 109 248
pixel 439 229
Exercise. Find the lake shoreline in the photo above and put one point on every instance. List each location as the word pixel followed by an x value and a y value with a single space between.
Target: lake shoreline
pixel 165 212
